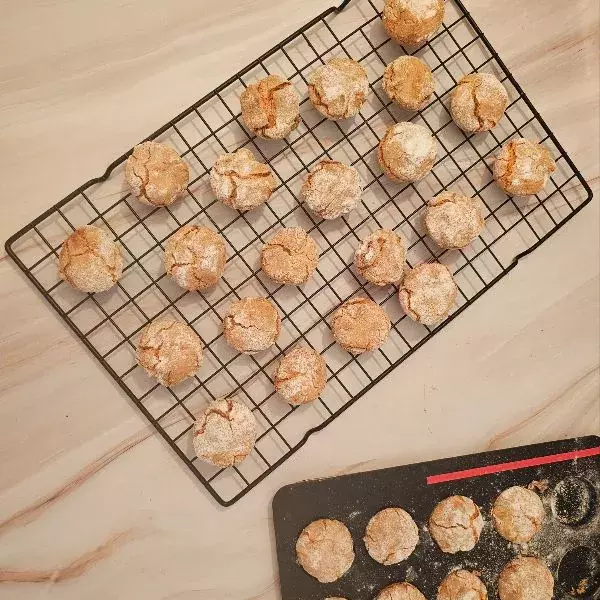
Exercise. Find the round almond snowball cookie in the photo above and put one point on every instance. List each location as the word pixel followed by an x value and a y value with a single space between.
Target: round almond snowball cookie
pixel 240 181
pixel 251 325
pixel 522 167
pixel 271 107
pixel 456 524
pixel 332 189
pixel 380 257
pixel 301 376
pixel 90 260
pixel 169 351
pixel 409 83
pixel 360 325
pixel 453 220
pixel 526 578
pixel 462 585
pixel 518 514
pixel 339 88
pixel 156 174
pixel 407 152
pixel 325 550
pixel 195 257
pixel 478 102
pixel 428 293
pixel 290 256
pixel 412 22
pixel 400 591
pixel 391 536
pixel 224 435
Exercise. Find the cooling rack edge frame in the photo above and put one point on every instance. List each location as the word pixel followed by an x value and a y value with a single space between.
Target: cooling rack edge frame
pixel 333 9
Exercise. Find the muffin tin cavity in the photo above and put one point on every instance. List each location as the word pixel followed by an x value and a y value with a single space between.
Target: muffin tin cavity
pixel 574 501
pixel 579 573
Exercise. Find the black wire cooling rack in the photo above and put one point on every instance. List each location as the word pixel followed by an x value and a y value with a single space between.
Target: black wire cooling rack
pixel 109 323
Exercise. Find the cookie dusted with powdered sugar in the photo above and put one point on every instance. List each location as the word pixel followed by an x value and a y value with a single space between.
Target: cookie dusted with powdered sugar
pixel 156 174
pixel 195 257
pixel 240 181
pixel 90 260
pixel 325 550
pixel 225 433
pixel 271 107
pixel 339 88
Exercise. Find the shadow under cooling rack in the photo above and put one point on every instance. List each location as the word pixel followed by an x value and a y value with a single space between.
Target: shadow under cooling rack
pixel 109 323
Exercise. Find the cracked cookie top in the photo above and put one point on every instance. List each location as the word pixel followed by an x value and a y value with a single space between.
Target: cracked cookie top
pixel 400 591
pixel 478 102
pixel 156 174
pixel 526 578
pixel 391 536
pixel 522 167
pixel 240 181
pixel 412 22
pixel 360 325
pixel 518 514
pixel 290 256
pixel 408 82
pixel 271 107
pixel 90 260
pixel 169 351
pixel 453 220
pixel 251 325
pixel 325 550
pixel 460 585
pixel 428 293
pixel 407 152
pixel 332 189
pixel 380 257
pixel 456 524
pixel 339 88
pixel 225 433
pixel 301 376
pixel 195 257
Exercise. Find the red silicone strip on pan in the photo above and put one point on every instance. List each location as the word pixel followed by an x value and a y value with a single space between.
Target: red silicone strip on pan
pixel 511 466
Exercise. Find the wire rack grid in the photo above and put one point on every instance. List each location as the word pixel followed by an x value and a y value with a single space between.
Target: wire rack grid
pixel 110 323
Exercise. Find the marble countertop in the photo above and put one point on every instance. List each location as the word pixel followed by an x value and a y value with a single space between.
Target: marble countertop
pixel 92 503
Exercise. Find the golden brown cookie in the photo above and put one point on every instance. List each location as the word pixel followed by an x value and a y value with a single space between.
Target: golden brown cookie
pixel 522 167
pixel 456 524
pixel 156 174
pixel 225 433
pixel 518 514
pixel 400 591
pixel 339 88
pixel 251 325
pixel 526 578
pixel 478 102
pixel 290 256
pixel 332 189
pixel 412 22
pixel 240 181
pixel 391 536
pixel 325 550
pixel 407 152
pixel 360 325
pixel 271 107
pixel 301 376
pixel 90 260
pixel 409 83
pixel 195 257
pixel 453 220
pixel 169 351
pixel 462 585
pixel 428 293
pixel 380 257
